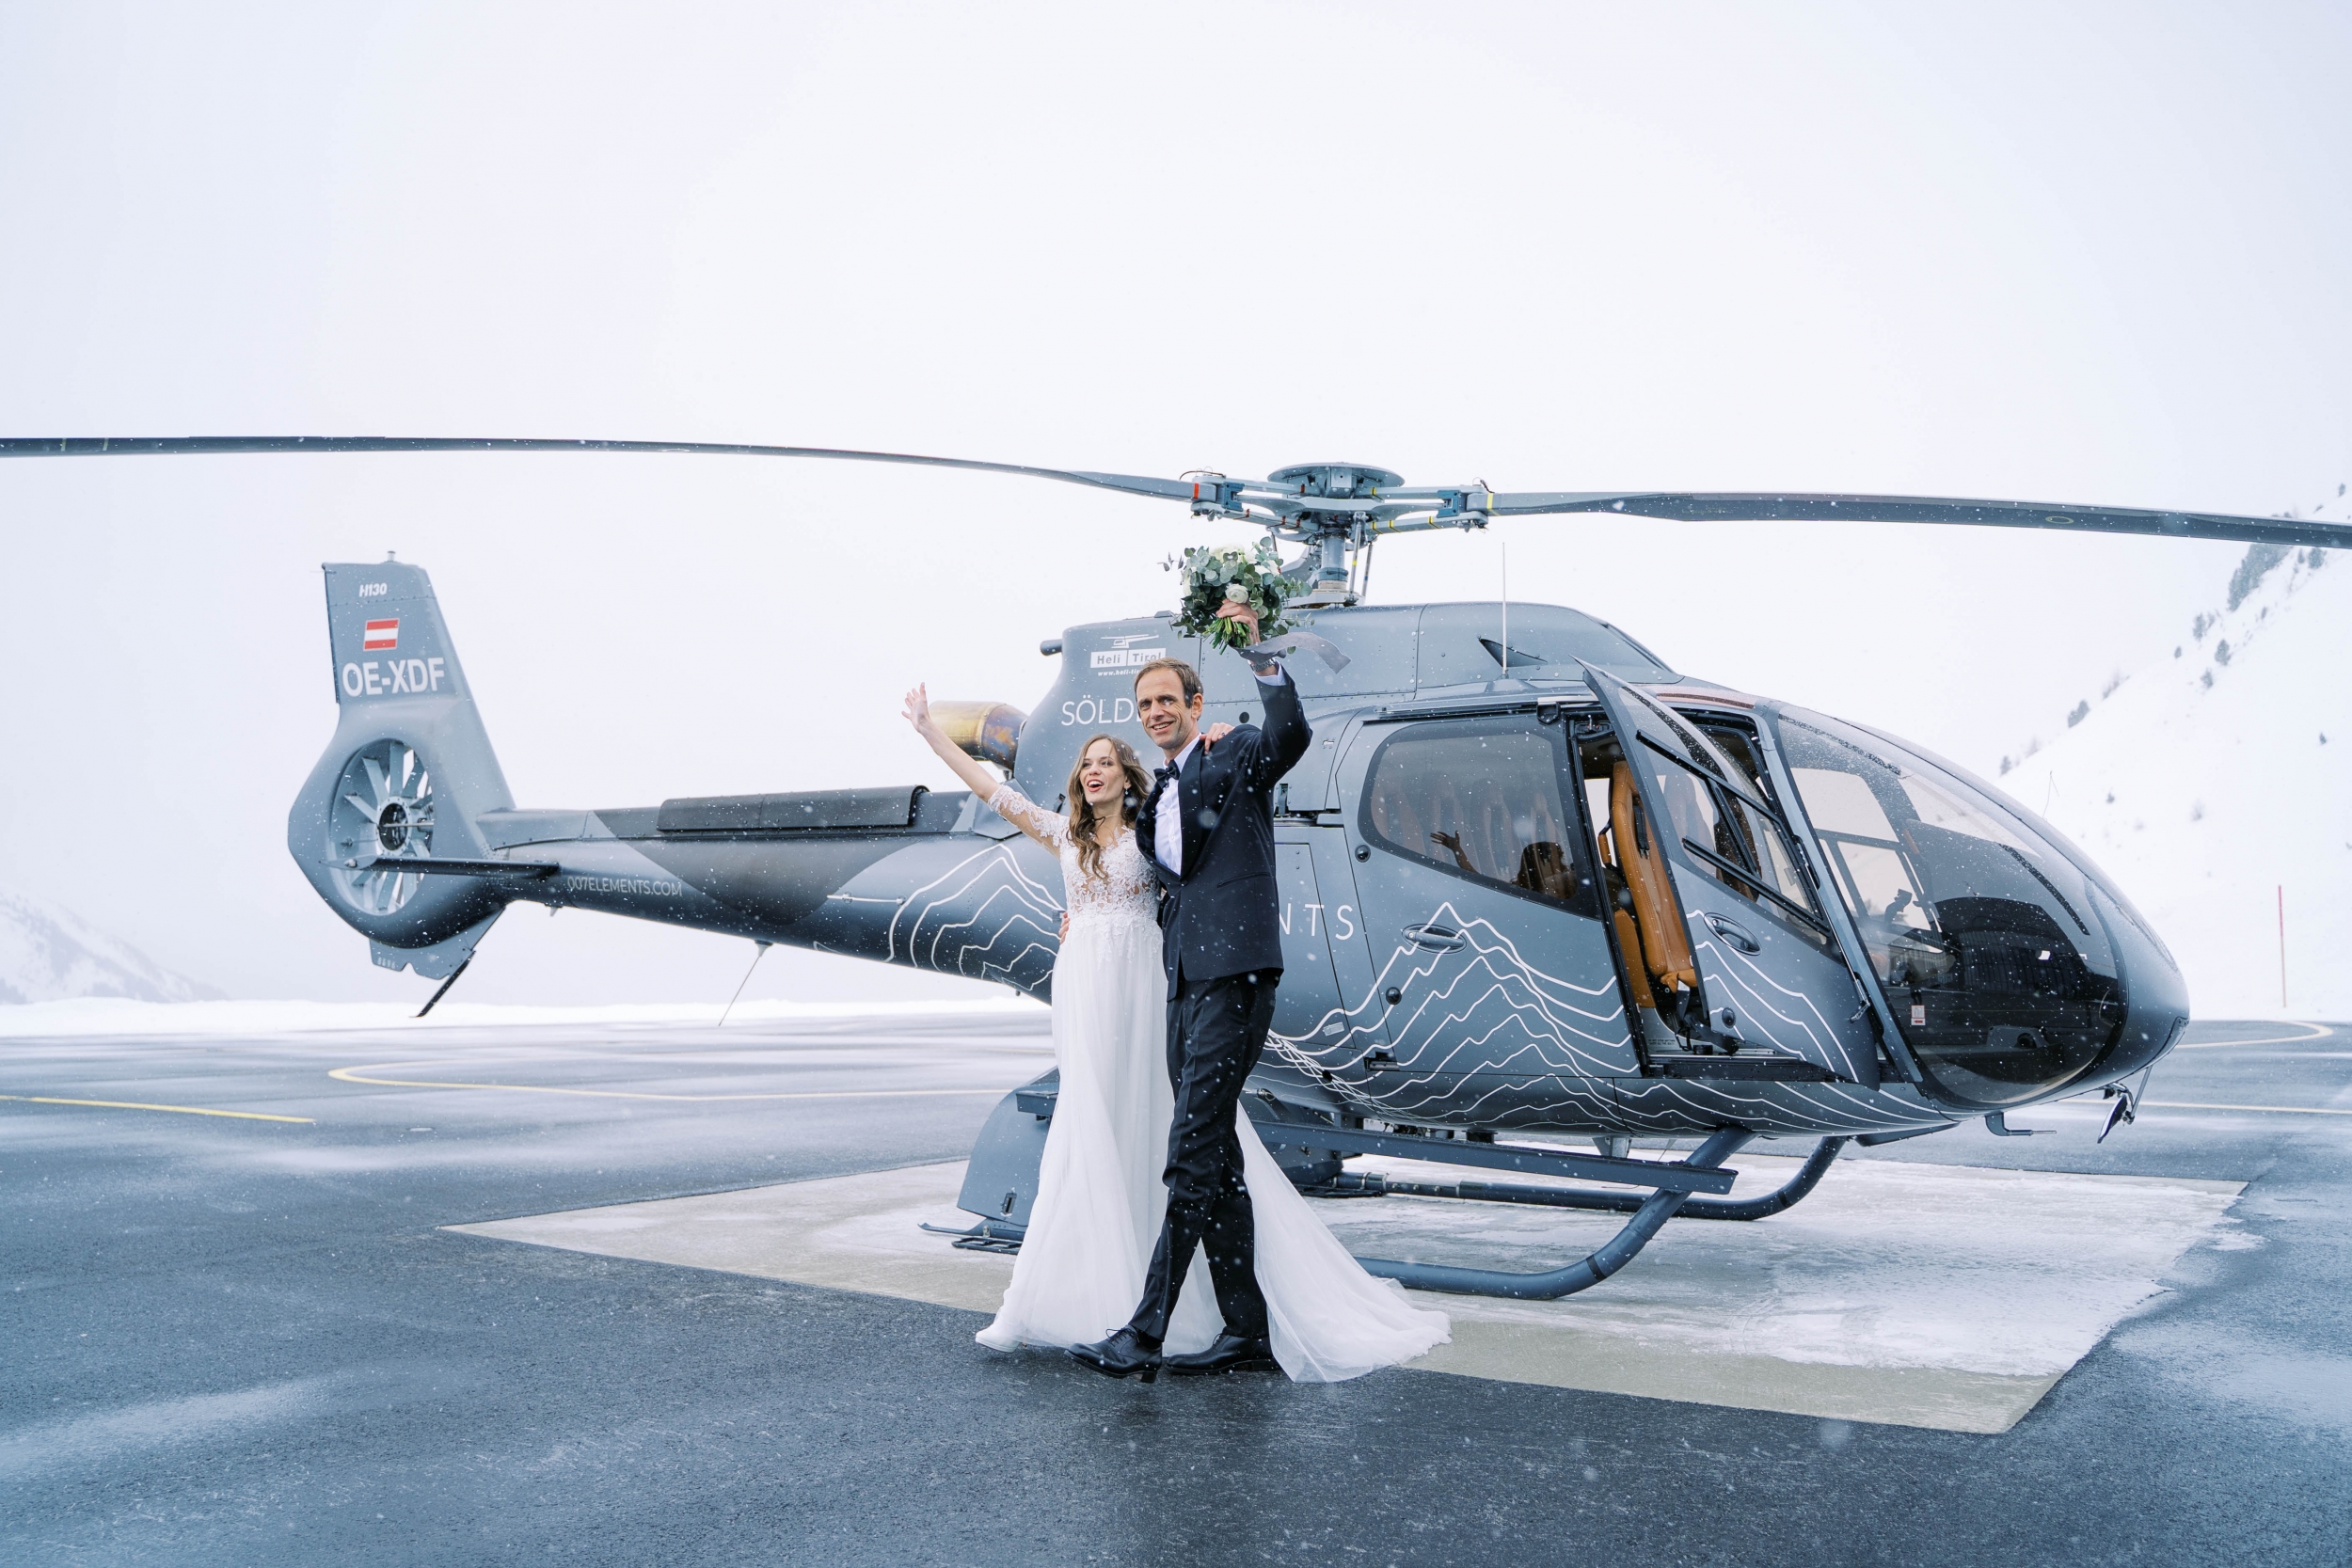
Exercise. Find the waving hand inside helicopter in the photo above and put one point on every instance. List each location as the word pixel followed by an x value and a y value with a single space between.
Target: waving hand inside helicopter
pixel 1163 992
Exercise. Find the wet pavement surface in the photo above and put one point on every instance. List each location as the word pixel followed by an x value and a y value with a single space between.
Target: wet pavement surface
pixel 231 1339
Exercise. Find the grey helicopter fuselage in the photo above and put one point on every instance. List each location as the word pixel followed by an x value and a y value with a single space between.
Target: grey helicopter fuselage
pixel 1830 932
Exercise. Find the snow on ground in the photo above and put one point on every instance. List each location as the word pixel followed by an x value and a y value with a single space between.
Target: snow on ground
pixel 114 1017
pixel 2013 1273
pixel 47 953
pixel 2209 782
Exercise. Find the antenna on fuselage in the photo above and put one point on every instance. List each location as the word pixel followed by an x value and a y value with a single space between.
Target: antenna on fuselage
pixel 740 984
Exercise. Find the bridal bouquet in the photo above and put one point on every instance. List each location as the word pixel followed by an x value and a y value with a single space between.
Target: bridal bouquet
pixel 1218 575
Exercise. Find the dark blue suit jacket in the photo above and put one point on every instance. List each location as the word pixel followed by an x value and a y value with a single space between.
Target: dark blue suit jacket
pixel 1219 917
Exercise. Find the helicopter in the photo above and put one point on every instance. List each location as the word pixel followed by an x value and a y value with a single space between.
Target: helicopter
pixel 1540 890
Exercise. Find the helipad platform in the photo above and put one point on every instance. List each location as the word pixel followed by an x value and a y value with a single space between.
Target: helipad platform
pixel 1914 1294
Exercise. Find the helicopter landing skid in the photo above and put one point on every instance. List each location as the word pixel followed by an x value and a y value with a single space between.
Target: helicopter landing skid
pixel 1587 1270
pixel 987 1235
pixel 1785 1196
pixel 1309 1148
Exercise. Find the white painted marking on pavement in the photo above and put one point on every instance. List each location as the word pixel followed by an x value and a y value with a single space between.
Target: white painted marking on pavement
pixel 136 1105
pixel 2318 1032
pixel 357 1075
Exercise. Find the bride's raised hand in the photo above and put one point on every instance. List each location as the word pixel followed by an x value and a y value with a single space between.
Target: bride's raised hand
pixel 979 780
pixel 1215 733
pixel 919 711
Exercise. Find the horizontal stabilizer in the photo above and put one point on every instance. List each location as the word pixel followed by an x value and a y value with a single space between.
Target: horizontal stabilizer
pixel 415 866
pixel 817 810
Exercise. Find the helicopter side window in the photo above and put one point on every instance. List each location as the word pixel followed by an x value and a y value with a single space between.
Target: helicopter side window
pixel 1482 799
pixel 1873 873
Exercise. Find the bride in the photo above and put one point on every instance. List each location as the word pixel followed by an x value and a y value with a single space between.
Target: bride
pixel 1099 1195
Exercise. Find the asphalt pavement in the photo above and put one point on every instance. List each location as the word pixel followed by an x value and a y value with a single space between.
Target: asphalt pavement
pixel 237 1339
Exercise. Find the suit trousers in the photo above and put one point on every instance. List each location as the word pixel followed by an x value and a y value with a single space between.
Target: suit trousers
pixel 1215 1030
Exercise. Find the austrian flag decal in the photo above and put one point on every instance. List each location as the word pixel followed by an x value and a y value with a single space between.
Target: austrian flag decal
pixel 381 634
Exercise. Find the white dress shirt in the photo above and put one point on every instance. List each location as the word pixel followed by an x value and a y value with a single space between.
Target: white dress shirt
pixel 1167 823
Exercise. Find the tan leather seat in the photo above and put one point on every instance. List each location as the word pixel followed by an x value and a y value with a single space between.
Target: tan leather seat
pixel 1664 944
pixel 1628 934
pixel 1629 941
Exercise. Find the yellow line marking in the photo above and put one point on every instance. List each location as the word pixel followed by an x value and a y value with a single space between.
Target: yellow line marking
pixel 134 1105
pixel 2318 1032
pixel 2276 1110
pixel 357 1075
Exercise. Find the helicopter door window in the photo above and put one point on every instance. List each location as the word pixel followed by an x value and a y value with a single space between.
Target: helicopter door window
pixel 1739 748
pixel 1481 800
pixel 1724 818
pixel 1733 835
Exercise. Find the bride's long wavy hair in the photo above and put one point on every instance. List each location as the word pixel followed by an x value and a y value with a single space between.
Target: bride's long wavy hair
pixel 1082 818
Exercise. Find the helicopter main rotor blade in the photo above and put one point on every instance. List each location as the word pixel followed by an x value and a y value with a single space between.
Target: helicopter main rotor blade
pixel 1761 507
pixel 198 446
pixel 1284 505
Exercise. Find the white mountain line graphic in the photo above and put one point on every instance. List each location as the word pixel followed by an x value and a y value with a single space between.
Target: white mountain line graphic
pixel 945 930
pixel 1035 908
pixel 1558 1042
pixel 1534 1075
pixel 1826 1046
pixel 979 863
pixel 1669 1105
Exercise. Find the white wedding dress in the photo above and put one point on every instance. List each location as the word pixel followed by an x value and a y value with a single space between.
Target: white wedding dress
pixel 1099 1194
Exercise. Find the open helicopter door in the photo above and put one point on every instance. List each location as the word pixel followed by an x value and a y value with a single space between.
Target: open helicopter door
pixel 1733 946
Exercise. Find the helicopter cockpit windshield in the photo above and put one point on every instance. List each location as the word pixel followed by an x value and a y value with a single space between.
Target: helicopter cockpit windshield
pixel 1993 954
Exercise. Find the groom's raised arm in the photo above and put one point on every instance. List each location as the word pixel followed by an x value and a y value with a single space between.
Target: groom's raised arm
pixel 1286 732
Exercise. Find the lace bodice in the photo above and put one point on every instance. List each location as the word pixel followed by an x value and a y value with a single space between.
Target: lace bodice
pixel 1123 894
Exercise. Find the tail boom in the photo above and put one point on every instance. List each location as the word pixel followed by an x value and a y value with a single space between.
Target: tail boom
pixel 407 830
pixel 955 891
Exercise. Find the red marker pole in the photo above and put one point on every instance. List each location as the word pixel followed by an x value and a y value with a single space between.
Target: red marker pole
pixel 2283 948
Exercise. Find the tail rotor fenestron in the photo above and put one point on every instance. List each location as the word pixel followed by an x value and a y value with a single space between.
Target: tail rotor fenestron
pixel 383 812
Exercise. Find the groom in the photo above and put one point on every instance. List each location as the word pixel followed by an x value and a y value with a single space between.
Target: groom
pixel 1208 835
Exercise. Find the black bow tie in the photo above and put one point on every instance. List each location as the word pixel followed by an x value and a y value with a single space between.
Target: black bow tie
pixel 1166 775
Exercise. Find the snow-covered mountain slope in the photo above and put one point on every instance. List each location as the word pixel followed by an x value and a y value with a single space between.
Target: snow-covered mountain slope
pixel 2210 782
pixel 49 953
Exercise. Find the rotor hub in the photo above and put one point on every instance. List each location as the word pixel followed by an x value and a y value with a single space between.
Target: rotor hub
pixel 1337 481
pixel 1331 530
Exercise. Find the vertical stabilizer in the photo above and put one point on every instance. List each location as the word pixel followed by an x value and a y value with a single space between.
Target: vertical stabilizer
pixel 406 777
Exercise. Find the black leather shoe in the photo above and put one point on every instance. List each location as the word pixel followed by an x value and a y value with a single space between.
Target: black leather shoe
pixel 1231 1353
pixel 1123 1354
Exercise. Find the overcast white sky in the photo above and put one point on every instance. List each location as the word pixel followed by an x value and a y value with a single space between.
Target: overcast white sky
pixel 2066 253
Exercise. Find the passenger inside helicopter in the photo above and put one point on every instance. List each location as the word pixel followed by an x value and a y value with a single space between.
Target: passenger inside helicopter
pixel 1482 800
